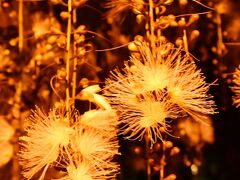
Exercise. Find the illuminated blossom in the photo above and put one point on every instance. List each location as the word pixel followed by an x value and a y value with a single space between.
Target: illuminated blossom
pixel 95 146
pixel 143 75
pixel 236 87
pixel 189 90
pixel 82 171
pixel 90 154
pixel 171 78
pixel 83 149
pixel 148 116
pixel 78 169
pixel 44 142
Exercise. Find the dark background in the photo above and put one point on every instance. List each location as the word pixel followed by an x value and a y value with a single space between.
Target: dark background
pixel 220 160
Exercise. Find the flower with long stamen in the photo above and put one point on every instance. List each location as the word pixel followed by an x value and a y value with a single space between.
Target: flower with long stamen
pixel 171 77
pixel 90 154
pixel 46 137
pixel 145 74
pixel 81 169
pixel 94 146
pixel 149 116
pixel 190 91
pixel 236 87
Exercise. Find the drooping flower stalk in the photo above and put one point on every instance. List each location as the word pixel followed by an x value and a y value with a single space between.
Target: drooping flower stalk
pixel 17 109
pixel 18 93
pixel 69 30
pixel 221 49
pixel 74 76
pixel 151 23
pixel 147 157
pixel 162 162
pixel 185 41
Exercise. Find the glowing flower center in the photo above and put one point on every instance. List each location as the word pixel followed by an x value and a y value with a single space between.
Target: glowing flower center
pixel 176 92
pixel 153 113
pixel 60 134
pixel 156 79
pixel 88 144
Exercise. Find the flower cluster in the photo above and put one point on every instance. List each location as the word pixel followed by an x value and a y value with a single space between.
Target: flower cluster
pixel 159 84
pixel 76 145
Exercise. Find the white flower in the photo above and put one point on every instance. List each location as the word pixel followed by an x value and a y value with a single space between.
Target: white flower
pixel 90 155
pixel 147 117
pixel 44 142
pixel 190 91
pixel 160 80
pixel 94 146
pixel 79 169
pixel 55 140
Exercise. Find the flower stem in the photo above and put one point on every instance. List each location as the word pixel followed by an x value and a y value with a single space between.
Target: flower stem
pixel 147 157
pixel 220 45
pixel 17 124
pixel 20 25
pixel 185 41
pixel 69 28
pixel 74 76
pixel 162 162
pixel 152 29
pixel 17 98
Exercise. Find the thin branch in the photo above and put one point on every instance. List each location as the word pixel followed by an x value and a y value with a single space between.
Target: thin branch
pixel 203 5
